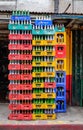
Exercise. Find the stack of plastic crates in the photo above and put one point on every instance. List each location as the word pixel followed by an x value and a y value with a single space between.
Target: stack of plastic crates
pixel 20 66
pixel 43 69
pixel 60 58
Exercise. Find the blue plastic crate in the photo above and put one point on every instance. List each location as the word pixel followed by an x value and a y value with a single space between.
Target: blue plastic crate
pixel 43 22
pixel 20 18
pixel 60 91
pixel 60 105
pixel 60 77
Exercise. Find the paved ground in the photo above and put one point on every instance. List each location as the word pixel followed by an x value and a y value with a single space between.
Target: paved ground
pixel 74 115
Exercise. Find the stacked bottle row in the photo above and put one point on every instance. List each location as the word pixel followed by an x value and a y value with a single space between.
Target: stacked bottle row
pixel 43 70
pixel 60 41
pixel 20 66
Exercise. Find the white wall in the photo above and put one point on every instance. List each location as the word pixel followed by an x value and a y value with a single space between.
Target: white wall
pixel 36 5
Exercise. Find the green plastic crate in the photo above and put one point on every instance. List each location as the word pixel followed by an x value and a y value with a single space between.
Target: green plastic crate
pixel 43 32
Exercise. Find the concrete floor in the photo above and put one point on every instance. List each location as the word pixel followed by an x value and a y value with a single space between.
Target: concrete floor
pixel 74 115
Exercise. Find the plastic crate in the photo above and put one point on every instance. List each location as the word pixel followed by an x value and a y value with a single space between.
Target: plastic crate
pixel 20 106
pixel 14 56
pixel 14 67
pixel 60 105
pixel 20 86
pixel 49 116
pixel 57 29
pixel 50 85
pixel 43 22
pixel 14 76
pixel 38 106
pixel 60 77
pixel 49 106
pixel 37 53
pixel 20 18
pixel 26 47
pixel 20 96
pixel 26 76
pixel 38 95
pixel 60 38
pixel 26 56
pixel 25 36
pixel 37 63
pixel 60 91
pixel 43 32
pixel 26 67
pixel 14 37
pixel 20 27
pixel 49 74
pixel 38 116
pixel 49 64
pixel 49 53
pixel 38 85
pixel 37 42
pixel 20 117
pixel 60 51
pixel 49 42
pixel 14 47
pixel 49 95
pixel 60 64
pixel 38 74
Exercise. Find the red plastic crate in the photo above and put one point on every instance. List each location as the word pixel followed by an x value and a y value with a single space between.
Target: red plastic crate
pixel 20 116
pixel 26 87
pixel 20 106
pixel 50 85
pixel 14 57
pixel 26 77
pixel 14 47
pixel 26 47
pixel 26 67
pixel 14 76
pixel 20 96
pixel 14 86
pixel 26 57
pixel 14 67
pixel 14 36
pixel 60 51
pixel 26 36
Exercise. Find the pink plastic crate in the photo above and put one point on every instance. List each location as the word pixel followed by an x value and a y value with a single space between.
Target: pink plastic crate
pixel 26 77
pixel 26 57
pixel 50 85
pixel 26 67
pixel 14 57
pixel 14 47
pixel 14 76
pixel 26 47
pixel 14 67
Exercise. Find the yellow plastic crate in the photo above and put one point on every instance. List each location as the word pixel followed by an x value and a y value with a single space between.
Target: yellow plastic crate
pixel 37 53
pixel 49 74
pixel 37 42
pixel 37 63
pixel 38 116
pixel 49 106
pixel 38 74
pixel 38 85
pixel 60 64
pixel 60 38
pixel 38 95
pixel 38 106
pixel 49 95
pixel 49 42
pixel 49 53
pixel 51 64
pixel 49 116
